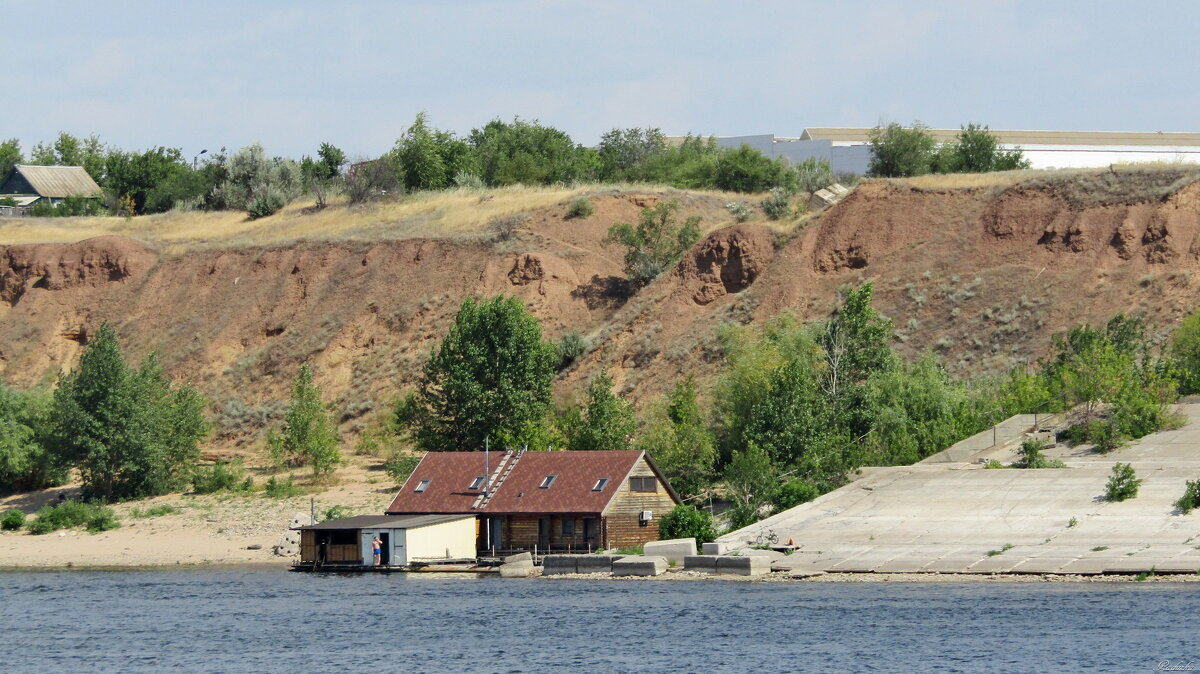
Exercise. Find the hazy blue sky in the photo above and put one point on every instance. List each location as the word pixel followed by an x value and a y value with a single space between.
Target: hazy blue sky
pixel 292 74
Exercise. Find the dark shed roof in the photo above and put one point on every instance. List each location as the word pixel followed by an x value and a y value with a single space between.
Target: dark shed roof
pixel 50 181
pixel 383 522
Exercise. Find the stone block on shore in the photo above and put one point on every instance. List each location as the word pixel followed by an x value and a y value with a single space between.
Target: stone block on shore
pixel 701 563
pixel 744 566
pixel 635 565
pixel 519 557
pixel 556 565
pixel 674 550
pixel 714 548
pixel 518 569
pixel 595 563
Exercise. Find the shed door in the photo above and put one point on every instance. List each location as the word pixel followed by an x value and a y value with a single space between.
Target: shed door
pixel 368 550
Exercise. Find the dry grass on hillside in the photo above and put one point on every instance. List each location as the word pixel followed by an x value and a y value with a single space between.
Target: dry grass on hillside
pixel 447 214
pixel 1119 183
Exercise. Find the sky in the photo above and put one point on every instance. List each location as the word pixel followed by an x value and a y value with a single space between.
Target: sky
pixel 290 75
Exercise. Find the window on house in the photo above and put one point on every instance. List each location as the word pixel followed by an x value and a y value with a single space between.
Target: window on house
pixel 568 527
pixel 600 484
pixel 422 486
pixel 548 481
pixel 476 483
pixel 643 484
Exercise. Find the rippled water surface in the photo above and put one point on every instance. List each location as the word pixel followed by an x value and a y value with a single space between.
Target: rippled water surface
pixel 257 621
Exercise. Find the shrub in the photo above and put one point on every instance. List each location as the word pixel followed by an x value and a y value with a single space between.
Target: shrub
pixel 739 210
pixel 657 241
pixel 400 465
pixel 156 511
pixel 373 180
pixel 777 205
pixel 7 201
pixel 794 493
pixel 580 208
pixel 1032 457
pixel 276 488
pixel 504 227
pixel 71 514
pixel 897 151
pixel 570 347
pixel 814 174
pixel 468 181
pixel 336 512
pixel 221 476
pixel 264 204
pixel 1122 484
pixel 1189 500
pixel 12 520
pixel 684 521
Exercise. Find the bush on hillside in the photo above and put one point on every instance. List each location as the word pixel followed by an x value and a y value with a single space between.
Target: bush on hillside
pixel 221 476
pixel 777 204
pixel 71 514
pixel 276 488
pixel 570 347
pixel 1032 457
pixel 740 210
pixel 12 520
pixel 1122 484
pixel 400 465
pixel 580 208
pixel 505 227
pixel 656 243
pixel 265 204
pixel 685 521
pixel 308 437
pixel 794 493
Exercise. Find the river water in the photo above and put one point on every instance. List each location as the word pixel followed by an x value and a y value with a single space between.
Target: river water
pixel 268 621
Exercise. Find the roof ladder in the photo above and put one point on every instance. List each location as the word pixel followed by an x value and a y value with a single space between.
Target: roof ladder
pixel 507 462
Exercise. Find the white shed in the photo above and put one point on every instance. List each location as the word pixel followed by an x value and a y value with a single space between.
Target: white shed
pixel 405 539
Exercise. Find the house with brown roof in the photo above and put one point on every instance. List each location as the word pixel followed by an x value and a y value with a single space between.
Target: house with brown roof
pixel 27 185
pixel 552 501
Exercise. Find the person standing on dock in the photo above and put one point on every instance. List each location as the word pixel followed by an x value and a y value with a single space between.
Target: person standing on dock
pixel 376 547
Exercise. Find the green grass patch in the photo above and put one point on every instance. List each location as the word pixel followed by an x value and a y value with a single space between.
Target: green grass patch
pixel 156 511
pixel 1098 548
pixel 276 488
pixel 1001 551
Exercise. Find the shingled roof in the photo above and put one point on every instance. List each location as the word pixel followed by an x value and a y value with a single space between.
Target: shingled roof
pixel 451 474
pixel 55 182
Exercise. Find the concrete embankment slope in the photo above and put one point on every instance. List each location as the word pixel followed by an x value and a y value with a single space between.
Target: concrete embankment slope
pixel 950 515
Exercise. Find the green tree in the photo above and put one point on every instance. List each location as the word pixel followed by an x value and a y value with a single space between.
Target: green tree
pixel 605 422
pixel 897 151
pixel 976 150
pixel 527 153
pixel 130 433
pixel 624 153
pixel 309 436
pixel 747 170
pixel 692 164
pixel 751 485
pixel 155 180
pixel 678 439
pixel 10 156
pixel 856 342
pixel 1185 353
pixel 321 174
pixel 489 378
pixel 24 424
pixel 656 243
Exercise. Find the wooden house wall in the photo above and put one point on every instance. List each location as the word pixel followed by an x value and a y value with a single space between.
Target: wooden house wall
pixel 521 532
pixel 622 518
pixel 309 550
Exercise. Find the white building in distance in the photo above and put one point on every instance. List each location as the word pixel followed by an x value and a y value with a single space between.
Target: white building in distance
pixel 848 150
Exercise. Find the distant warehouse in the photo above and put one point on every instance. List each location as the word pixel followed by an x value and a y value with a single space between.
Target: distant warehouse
pixel 848 151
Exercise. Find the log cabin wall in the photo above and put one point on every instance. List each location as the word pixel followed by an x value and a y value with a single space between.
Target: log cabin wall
pixel 622 518
pixel 334 552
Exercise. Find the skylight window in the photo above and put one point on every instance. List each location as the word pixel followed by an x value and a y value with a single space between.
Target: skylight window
pixel 600 484
pixel 548 481
pixel 476 483
pixel 422 486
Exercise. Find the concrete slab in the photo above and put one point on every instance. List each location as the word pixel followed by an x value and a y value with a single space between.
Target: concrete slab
pixel 519 557
pixel 714 548
pixel 650 565
pixel 553 565
pixel 518 569
pixel 773 555
pixel 595 563
pixel 743 566
pixel 674 550
pixel 701 563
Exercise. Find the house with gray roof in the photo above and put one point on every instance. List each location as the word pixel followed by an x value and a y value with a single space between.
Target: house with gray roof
pixel 28 185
